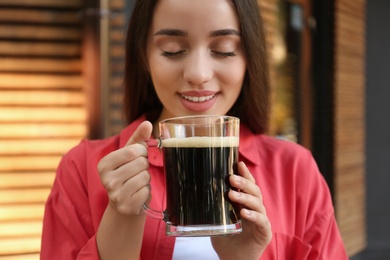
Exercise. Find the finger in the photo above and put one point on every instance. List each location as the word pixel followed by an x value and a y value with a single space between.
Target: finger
pixel 144 131
pixel 128 153
pixel 132 168
pixel 132 194
pixel 121 156
pixel 244 185
pixel 133 204
pixel 119 176
pixel 244 172
pixel 247 193
pixel 247 201
pixel 260 220
pixel 136 183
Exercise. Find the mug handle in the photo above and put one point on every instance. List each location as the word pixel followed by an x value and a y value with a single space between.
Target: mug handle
pixel 153 213
pixel 149 211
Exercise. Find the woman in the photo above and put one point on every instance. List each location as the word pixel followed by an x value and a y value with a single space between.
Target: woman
pixel 188 58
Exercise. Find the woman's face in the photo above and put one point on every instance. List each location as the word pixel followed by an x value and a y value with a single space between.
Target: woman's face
pixel 195 56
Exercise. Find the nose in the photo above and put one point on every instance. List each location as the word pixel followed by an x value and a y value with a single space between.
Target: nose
pixel 198 68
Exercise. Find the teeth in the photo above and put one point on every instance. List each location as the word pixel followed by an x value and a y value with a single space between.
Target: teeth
pixel 198 99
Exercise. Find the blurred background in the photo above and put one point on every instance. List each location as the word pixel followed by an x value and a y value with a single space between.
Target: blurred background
pixel 61 70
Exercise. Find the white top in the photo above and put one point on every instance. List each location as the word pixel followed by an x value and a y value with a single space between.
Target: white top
pixel 194 248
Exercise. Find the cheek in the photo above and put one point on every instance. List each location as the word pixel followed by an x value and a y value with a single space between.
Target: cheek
pixel 154 67
pixel 162 72
pixel 234 74
pixel 160 75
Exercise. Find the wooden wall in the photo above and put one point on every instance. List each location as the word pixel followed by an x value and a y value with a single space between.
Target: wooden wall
pixel 118 27
pixel 42 111
pixel 349 122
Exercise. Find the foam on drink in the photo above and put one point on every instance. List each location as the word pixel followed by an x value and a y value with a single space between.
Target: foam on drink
pixel 202 141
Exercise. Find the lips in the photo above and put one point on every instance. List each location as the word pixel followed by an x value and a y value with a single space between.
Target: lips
pixel 198 101
pixel 198 98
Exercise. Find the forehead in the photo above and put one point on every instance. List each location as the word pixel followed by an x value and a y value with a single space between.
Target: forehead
pixel 195 15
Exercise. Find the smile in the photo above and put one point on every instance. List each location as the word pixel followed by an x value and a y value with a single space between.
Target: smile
pixel 198 99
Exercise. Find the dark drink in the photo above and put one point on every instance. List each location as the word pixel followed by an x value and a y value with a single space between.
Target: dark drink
pixel 197 170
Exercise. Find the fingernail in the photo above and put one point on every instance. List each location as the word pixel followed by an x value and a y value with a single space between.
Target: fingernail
pixel 237 178
pixel 247 212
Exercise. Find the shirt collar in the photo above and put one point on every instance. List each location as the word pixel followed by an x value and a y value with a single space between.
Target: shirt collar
pixel 248 145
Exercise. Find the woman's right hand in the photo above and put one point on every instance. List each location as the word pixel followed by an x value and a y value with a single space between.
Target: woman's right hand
pixel 124 173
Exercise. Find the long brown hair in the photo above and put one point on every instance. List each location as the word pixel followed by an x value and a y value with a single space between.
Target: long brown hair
pixel 252 106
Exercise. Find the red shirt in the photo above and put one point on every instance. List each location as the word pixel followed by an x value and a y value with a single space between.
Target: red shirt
pixel 295 195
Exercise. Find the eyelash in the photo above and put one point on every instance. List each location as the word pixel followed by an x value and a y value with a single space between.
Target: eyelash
pixel 175 54
pixel 225 54
pixel 171 54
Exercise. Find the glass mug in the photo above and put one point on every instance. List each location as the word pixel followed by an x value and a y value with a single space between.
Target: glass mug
pixel 199 154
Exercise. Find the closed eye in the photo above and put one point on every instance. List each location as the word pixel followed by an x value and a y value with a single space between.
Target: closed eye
pixel 172 54
pixel 224 54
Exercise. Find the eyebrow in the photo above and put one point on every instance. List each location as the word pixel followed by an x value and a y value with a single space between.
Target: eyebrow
pixel 224 32
pixel 181 33
pixel 171 32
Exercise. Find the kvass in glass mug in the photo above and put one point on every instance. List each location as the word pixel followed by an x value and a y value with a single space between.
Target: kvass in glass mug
pixel 199 154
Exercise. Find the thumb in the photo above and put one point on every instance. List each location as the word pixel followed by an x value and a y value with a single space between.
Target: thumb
pixel 143 132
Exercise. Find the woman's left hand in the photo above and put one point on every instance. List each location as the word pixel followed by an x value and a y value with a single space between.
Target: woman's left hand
pixel 257 234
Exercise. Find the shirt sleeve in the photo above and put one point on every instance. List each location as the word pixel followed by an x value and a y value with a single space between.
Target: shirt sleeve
pixel 68 232
pixel 315 235
pixel 329 244
pixel 322 232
